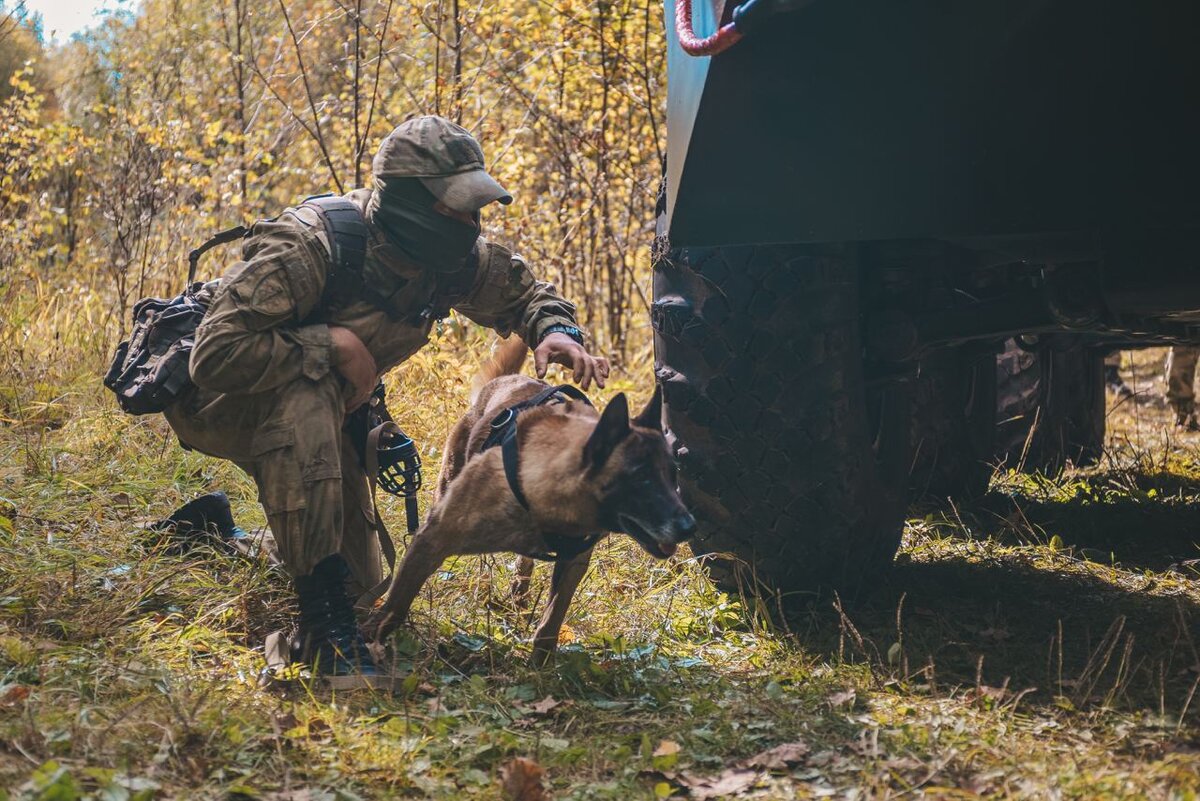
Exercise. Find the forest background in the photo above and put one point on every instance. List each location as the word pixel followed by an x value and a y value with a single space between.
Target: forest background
pixel 134 142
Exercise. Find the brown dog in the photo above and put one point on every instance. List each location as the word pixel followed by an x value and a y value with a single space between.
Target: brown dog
pixel 580 475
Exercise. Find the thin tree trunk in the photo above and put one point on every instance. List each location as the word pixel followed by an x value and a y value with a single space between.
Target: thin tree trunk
pixel 358 137
pixel 456 109
pixel 239 77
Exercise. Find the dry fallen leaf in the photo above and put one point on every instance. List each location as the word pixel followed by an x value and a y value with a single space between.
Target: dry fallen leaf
pixel 842 698
pixel 780 757
pixel 15 695
pixel 545 705
pixel 996 694
pixel 665 755
pixel 666 748
pixel 728 783
pixel 378 652
pixel 521 780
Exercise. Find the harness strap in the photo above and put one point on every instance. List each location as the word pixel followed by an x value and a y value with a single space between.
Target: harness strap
pixel 512 465
pixel 504 434
pixel 507 419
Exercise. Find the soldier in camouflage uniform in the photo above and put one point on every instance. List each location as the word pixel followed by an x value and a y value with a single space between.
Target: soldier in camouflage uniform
pixel 276 373
pixel 1181 375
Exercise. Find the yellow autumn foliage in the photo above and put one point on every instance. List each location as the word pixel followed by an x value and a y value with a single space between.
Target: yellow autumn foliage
pixel 167 126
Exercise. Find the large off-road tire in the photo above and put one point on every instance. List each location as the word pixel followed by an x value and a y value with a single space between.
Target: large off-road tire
pixel 1050 406
pixel 953 424
pixel 758 352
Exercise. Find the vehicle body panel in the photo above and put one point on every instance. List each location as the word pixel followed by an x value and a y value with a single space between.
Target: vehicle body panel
pixel 997 119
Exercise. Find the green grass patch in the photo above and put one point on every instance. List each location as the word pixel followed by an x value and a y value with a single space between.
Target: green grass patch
pixel 1041 643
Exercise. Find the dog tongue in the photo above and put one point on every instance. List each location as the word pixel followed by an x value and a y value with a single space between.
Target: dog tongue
pixel 667 549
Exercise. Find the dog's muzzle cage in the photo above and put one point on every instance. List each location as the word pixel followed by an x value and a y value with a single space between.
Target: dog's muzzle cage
pixel 399 466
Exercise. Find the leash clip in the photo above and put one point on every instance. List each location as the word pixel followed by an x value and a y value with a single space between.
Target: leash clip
pixel 503 419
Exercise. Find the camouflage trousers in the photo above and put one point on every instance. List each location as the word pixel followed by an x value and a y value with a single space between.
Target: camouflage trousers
pixel 1181 374
pixel 311 486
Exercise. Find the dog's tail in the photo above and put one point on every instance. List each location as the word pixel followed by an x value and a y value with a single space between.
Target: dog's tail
pixel 507 359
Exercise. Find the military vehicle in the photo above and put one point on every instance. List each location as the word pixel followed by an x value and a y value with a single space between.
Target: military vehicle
pixel 895 242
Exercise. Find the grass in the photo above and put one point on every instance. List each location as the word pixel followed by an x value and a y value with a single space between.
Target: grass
pixel 1042 643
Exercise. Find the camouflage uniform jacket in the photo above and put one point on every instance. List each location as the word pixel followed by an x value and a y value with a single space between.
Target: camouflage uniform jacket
pixel 267 324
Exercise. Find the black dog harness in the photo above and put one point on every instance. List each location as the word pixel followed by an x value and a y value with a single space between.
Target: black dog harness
pixel 504 434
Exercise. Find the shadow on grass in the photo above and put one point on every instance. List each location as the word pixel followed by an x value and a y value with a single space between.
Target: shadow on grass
pixel 1153 522
pixel 1013 623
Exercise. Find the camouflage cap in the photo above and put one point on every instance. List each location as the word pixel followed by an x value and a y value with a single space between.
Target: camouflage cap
pixel 445 157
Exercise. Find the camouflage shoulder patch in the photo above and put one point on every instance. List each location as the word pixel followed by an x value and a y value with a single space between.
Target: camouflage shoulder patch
pixel 263 294
pixel 271 294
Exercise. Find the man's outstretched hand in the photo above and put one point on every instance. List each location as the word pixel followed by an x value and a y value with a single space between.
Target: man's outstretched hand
pixel 561 349
pixel 356 364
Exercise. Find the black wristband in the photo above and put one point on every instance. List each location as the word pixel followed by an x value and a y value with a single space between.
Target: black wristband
pixel 559 328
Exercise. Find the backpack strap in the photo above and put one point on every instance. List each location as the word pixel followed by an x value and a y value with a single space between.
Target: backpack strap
pixel 228 235
pixel 347 234
pixel 348 237
pixel 346 230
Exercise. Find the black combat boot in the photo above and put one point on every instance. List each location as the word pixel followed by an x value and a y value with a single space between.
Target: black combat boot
pixel 328 638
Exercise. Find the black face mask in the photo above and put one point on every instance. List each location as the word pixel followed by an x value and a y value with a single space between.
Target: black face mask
pixel 403 210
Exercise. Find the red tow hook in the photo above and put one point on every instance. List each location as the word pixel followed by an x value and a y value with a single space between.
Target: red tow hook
pixel 725 37
pixel 745 18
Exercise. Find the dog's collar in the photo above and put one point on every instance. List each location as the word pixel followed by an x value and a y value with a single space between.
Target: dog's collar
pixel 504 434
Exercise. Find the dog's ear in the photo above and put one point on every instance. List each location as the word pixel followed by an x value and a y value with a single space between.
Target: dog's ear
pixel 651 416
pixel 612 427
